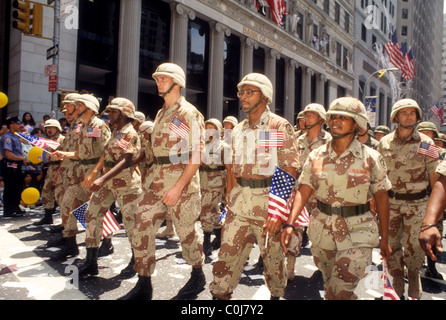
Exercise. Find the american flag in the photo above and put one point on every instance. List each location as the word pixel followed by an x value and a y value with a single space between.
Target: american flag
pixel 180 128
pixel 410 65
pixel 394 52
pixel 93 132
pixel 121 142
pixel 279 194
pixel 39 142
pixel 271 139
pixel 429 150
pixel 278 9
pixel 222 218
pixel 389 292
pixel 437 110
pixel 109 223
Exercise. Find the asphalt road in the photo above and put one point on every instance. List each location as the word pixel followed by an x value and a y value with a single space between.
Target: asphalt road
pixel 27 273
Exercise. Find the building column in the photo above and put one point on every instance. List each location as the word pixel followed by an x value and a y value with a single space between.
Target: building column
pixel 270 67
pixel 332 90
pixel 179 25
pixel 247 52
pixel 216 70
pixel 129 44
pixel 307 73
pixel 320 89
pixel 290 82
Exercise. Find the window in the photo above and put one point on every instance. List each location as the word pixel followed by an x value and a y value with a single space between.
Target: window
pixel 345 59
pixel 363 33
pixel 300 25
pixel 338 54
pixel 327 6
pixel 404 30
pixel 337 13
pixel 347 22
pixel 404 13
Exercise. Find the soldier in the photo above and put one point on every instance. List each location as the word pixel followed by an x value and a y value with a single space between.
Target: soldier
pixel 212 184
pixel 410 174
pixel 120 181
pixel 344 176
pixel 145 159
pixel 139 119
pixel 429 129
pixel 300 128
pixel 11 168
pixel 173 184
pixel 260 142
pixel 315 136
pixel 380 132
pixel 440 141
pixel 93 135
pixel 53 130
pixel 366 137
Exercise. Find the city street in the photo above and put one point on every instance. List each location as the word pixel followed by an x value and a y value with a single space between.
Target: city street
pixel 27 273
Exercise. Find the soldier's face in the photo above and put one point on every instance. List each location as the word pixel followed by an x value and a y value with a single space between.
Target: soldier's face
pixel 342 124
pixel 114 116
pixel 407 116
pixel 429 133
pixel 163 83
pixel 250 97
pixel 51 131
pixel 378 136
pixel 311 118
pixel 211 132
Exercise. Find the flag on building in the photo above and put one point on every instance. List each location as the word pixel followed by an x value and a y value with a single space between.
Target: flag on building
pixel 394 53
pixel 278 10
pixel 410 65
pixel 42 143
pixel 179 127
pixel 109 223
pixel 429 150
pixel 271 139
pixel 438 111
pixel 281 188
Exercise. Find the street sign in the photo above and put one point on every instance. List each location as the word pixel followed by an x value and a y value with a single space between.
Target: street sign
pixel 52 52
pixel 52 84
pixel 51 70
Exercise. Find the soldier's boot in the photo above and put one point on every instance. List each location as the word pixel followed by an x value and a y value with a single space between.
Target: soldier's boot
pixel 106 247
pixel 90 266
pixel 432 270
pixel 142 291
pixel 207 248
pixel 216 243
pixel 47 218
pixel 68 249
pixel 128 271
pixel 193 287
pixel 168 231
pixel 290 262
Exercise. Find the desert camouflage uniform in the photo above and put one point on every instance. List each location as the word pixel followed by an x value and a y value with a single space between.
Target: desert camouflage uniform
pixel 304 147
pixel 342 247
pixel 124 187
pixel 90 150
pixel 408 171
pixel 49 187
pixel 66 177
pixel 163 174
pixel 248 206
pixel 212 184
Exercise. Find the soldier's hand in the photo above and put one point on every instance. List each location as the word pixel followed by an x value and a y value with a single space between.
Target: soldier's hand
pixel 97 185
pixel 272 226
pixel 430 238
pixel 285 238
pixel 171 197
pixel 88 181
pixel 56 155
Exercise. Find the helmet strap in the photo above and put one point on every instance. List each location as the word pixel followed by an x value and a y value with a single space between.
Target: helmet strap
pixel 163 94
pixel 312 126
pixel 340 136
pixel 257 104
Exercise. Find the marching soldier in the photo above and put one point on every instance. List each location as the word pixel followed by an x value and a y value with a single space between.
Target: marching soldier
pixel 120 181
pixel 173 185
pixel 344 176
pixel 53 130
pixel 93 135
pixel 212 184
pixel 410 174
pixel 429 129
pixel 380 132
pixel 260 142
pixel 366 137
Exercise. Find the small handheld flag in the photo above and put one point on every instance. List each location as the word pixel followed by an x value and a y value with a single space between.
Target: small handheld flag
pixel 39 142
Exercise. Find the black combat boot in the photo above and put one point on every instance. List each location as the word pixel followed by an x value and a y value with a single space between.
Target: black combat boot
pixel 106 247
pixel 216 243
pixel 47 218
pixel 142 291
pixel 193 287
pixel 207 248
pixel 68 249
pixel 128 271
pixel 90 266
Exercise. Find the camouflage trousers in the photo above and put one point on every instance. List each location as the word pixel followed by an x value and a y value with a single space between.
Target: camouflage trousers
pixel 239 235
pixel 342 250
pixel 99 204
pixel 152 211
pixel 49 195
pixel 404 228
pixel 210 208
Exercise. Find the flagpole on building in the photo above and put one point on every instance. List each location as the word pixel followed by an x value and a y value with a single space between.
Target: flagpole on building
pixel 56 40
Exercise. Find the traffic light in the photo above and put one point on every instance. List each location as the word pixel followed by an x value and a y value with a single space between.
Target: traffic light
pixel 22 16
pixel 37 19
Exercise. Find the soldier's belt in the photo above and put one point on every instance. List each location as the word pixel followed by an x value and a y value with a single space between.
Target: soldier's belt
pixel 87 162
pixel 109 164
pixel 345 212
pixel 53 163
pixel 255 183
pixel 209 169
pixel 166 159
pixel 407 196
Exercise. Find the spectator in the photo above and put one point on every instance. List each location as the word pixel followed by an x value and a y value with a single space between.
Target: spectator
pixel 64 124
pixel 28 122
pixel 42 124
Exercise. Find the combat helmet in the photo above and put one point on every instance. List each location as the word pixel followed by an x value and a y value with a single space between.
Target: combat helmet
pixel 405 103
pixel 90 101
pixel 382 129
pixel 172 70
pixel 350 107
pixel 124 105
pixel 52 123
pixel 216 123
pixel 318 108
pixel 428 126
pixel 260 81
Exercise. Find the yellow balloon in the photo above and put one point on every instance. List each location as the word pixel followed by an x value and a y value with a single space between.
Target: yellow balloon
pixel 35 155
pixel 30 196
pixel 3 99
